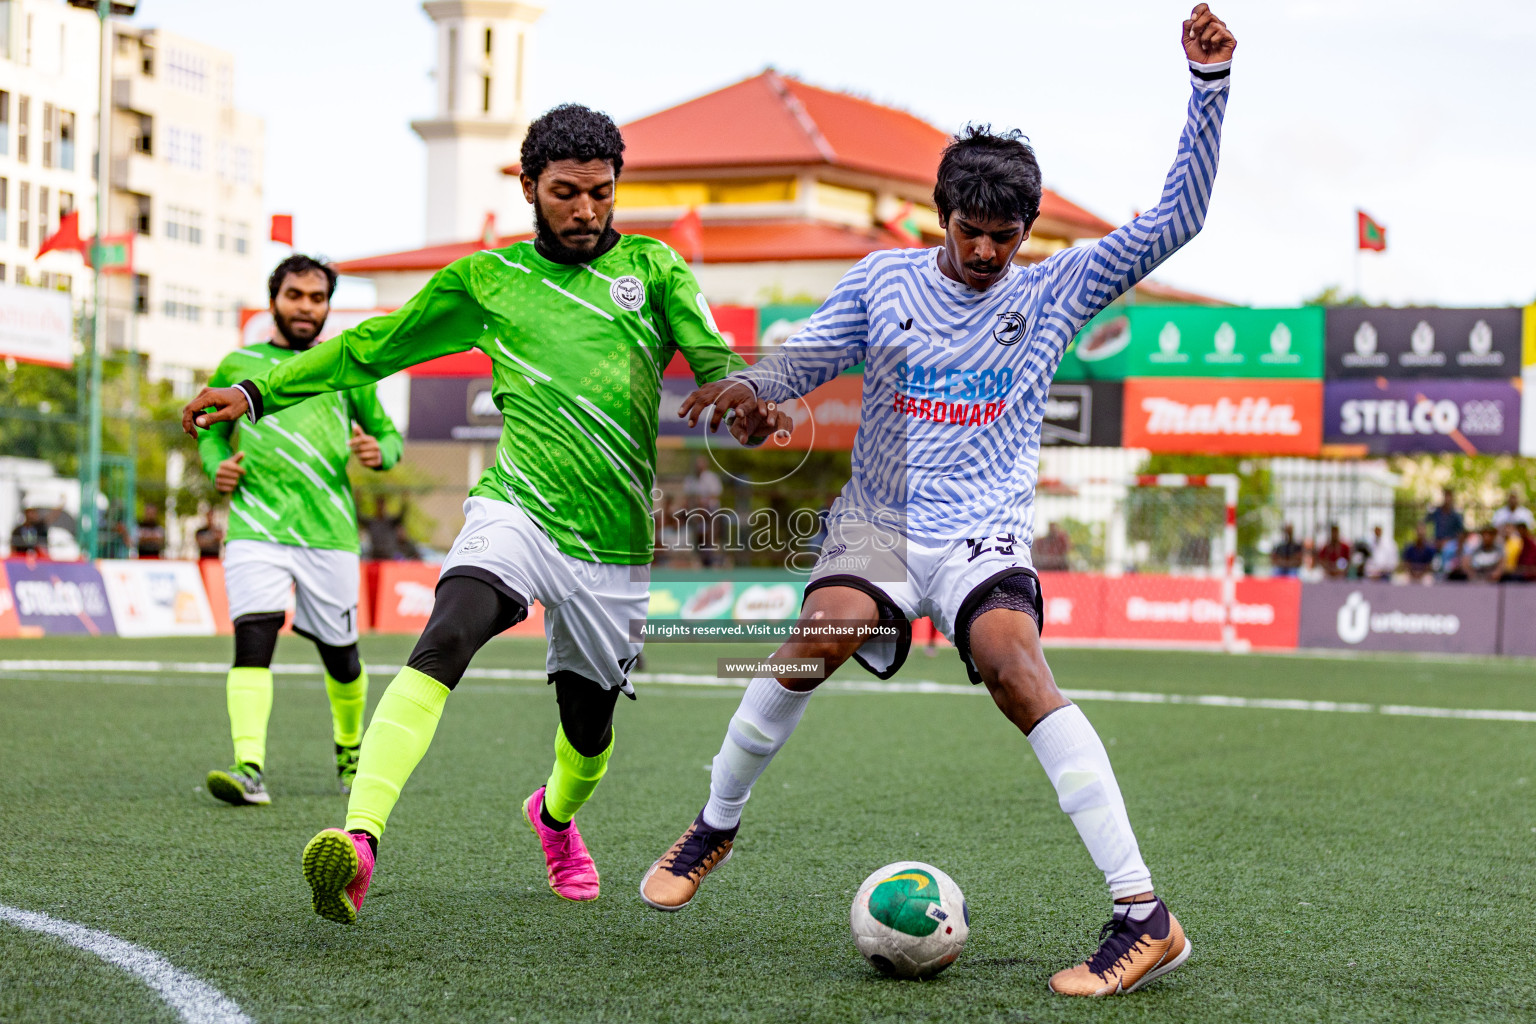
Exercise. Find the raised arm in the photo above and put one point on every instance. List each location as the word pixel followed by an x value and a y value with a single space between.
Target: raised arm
pixel 1088 278
pixel 442 318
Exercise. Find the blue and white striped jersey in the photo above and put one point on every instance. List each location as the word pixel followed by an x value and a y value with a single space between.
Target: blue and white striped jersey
pixel 955 380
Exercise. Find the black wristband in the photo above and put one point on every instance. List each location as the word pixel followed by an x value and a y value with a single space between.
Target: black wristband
pixel 254 395
pixel 1211 76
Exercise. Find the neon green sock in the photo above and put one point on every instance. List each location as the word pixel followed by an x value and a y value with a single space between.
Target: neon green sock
pixel 347 703
pixel 573 779
pixel 396 740
pixel 249 692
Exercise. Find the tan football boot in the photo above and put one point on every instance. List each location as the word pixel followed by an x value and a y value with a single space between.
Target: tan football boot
pixel 1129 956
pixel 674 880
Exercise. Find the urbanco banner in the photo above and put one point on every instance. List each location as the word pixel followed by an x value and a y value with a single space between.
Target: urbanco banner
pixel 1450 618
pixel 1231 417
pixel 1429 342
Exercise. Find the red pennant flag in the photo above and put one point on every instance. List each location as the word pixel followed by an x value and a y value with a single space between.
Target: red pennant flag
pixel 905 227
pixel 282 228
pixel 1372 235
pixel 67 238
pixel 688 231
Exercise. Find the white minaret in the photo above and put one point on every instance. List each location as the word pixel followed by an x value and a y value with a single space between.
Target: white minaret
pixel 482 54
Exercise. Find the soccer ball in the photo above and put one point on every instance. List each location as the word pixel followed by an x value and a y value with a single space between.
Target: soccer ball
pixel 909 919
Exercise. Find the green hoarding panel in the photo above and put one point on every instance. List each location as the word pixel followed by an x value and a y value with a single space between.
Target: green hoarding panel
pixel 1101 350
pixel 1215 341
pixel 1197 341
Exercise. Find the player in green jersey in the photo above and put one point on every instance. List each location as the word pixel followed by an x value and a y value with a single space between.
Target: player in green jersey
pixel 293 528
pixel 579 324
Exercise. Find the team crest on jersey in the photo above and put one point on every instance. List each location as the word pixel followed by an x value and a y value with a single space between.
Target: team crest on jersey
pixel 475 545
pixel 628 292
pixel 1009 329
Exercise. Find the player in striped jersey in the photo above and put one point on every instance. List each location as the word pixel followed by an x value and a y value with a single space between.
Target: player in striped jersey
pixel 959 345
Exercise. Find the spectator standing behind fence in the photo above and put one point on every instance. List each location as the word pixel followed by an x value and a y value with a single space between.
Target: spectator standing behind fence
pixel 1285 557
pixel 1419 557
pixel 1485 562
pixel 209 539
pixel 382 532
pixel 1455 555
pixel 1381 559
pixel 1446 522
pixel 151 539
pixel 1052 551
pixel 1334 556
pixel 30 537
pixel 1512 513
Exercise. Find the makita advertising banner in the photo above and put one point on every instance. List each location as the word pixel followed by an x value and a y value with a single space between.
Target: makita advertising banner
pixel 1367 342
pixel 1198 341
pixel 1086 413
pixel 1229 417
pixel 1453 618
pixel 1471 417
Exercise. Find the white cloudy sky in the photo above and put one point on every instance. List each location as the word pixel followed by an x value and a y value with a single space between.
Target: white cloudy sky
pixel 1419 112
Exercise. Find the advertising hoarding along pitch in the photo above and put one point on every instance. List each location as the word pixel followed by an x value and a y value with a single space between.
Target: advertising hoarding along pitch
pixel 1197 341
pixel 59 597
pixel 1457 618
pixel 1230 417
pixel 1086 413
pixel 154 597
pixel 37 326
pixel 1429 342
pixel 1470 417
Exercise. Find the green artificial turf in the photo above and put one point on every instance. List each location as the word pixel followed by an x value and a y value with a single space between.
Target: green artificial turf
pixel 1328 867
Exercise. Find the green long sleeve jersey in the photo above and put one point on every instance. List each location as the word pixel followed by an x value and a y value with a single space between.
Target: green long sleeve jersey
pixel 577 353
pixel 295 488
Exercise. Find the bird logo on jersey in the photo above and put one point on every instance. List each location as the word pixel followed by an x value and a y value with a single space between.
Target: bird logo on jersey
pixel 1009 329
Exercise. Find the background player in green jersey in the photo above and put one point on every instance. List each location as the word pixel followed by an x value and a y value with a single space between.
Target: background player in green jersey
pixel 579 325
pixel 292 527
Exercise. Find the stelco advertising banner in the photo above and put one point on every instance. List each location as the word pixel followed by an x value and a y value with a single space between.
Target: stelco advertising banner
pixel 1087 413
pixel 1471 417
pixel 1453 618
pixel 59 597
pixel 1367 342
pixel 1230 417
pixel 1198 341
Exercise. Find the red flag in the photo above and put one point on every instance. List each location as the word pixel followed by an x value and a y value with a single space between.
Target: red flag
pixel 905 227
pixel 282 228
pixel 688 230
pixel 67 237
pixel 1372 235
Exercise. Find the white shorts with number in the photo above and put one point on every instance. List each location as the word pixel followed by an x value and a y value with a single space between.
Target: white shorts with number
pixel 259 575
pixel 936 579
pixel 588 606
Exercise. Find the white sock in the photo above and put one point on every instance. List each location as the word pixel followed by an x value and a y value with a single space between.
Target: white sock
pixel 1077 765
pixel 768 714
pixel 1136 911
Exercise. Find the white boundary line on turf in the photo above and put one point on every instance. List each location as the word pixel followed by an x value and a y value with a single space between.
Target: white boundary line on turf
pixel 852 685
pixel 195 1001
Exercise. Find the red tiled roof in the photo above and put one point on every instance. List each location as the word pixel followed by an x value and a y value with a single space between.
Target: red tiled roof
pixel 772 120
pixel 750 242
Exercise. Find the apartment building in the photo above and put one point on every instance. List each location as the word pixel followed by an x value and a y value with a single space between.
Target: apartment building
pixel 48 99
pixel 186 174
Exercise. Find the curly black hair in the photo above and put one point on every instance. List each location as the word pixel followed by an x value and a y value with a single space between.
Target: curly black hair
pixel 298 263
pixel 990 175
pixel 571 132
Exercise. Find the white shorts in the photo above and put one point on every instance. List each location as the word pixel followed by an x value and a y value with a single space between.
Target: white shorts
pixel 588 606
pixel 942 580
pixel 259 576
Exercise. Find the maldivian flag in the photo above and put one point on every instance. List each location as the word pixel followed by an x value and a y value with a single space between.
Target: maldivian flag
pixel 1372 235
pixel 905 226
